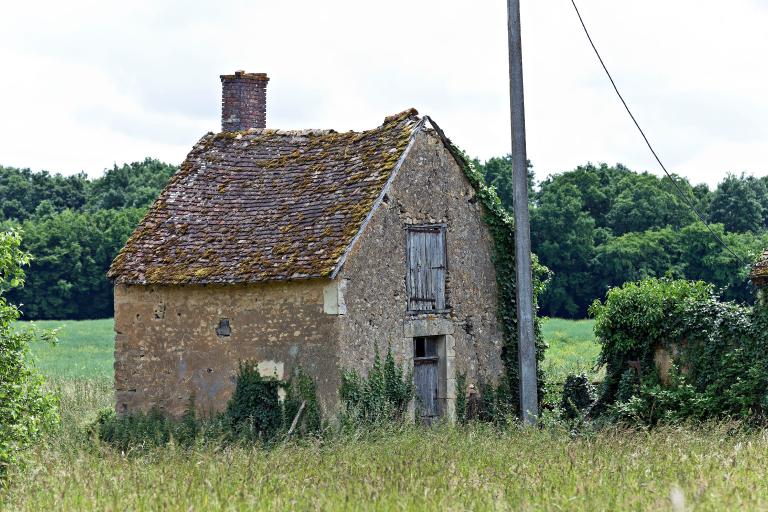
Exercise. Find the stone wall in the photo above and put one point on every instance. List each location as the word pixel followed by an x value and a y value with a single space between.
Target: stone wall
pixel 429 188
pixel 171 341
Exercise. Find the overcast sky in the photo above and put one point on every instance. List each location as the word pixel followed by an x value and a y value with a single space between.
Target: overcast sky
pixel 86 84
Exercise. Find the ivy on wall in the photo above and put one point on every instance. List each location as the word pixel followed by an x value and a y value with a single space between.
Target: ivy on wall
pixel 501 226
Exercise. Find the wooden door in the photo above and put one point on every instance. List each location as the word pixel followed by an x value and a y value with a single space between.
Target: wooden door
pixel 426 379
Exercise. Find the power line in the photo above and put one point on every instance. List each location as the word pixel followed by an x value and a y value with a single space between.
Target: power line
pixel 648 143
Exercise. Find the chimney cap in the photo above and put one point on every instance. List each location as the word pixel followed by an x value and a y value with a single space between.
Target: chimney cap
pixel 240 74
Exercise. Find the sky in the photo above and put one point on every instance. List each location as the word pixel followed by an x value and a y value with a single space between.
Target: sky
pixel 89 84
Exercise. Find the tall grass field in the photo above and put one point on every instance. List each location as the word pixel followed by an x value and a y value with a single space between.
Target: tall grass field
pixel 476 467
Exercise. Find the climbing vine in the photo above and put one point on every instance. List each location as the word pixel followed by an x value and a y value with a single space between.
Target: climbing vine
pixel 501 226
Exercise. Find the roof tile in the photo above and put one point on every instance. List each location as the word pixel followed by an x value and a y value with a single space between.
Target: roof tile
pixel 263 205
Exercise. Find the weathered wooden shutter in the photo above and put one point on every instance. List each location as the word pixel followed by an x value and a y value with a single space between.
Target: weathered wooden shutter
pixel 426 268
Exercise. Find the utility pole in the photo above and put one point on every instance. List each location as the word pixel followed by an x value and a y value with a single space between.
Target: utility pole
pixel 529 404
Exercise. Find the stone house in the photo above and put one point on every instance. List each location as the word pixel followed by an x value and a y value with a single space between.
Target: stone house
pixel 309 249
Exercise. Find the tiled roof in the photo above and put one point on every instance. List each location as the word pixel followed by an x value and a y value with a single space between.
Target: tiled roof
pixel 759 274
pixel 263 205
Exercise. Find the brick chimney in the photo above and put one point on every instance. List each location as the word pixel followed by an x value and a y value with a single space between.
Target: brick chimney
pixel 243 101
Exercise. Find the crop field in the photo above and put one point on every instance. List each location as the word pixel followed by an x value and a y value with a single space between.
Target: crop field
pixel 86 349
pixel 572 348
pixel 475 467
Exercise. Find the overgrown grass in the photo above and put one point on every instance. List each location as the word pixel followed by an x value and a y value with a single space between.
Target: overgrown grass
pixel 716 467
pixel 711 467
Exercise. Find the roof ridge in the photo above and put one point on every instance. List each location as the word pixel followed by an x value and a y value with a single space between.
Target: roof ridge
pixel 395 118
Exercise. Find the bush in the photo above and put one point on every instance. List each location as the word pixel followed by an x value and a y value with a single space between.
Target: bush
pixel 578 396
pixel 25 408
pixel 302 389
pixel 145 430
pixel 500 403
pixel 381 397
pixel 636 319
pixel 719 350
pixel 254 413
pixel 461 397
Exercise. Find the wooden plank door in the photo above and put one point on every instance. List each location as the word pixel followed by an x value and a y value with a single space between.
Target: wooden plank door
pixel 426 380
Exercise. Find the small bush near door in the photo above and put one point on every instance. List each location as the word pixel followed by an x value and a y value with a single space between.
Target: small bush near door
pixel 382 396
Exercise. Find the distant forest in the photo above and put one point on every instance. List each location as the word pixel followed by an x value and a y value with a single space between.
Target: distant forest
pixel 594 227
pixel 597 227
pixel 74 227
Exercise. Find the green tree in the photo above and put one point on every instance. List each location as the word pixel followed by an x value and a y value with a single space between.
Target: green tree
pixel 562 235
pixel 648 202
pixel 497 171
pixel 703 258
pixel 636 256
pixel 596 186
pixel 134 185
pixel 25 408
pixel 74 227
pixel 22 190
pixel 735 205
pixel 72 252
pixel 702 198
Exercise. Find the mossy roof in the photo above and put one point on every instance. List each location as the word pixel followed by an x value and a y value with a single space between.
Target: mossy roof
pixel 759 274
pixel 264 205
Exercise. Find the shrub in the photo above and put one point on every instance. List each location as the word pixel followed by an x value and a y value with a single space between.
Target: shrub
pixel 461 397
pixel 498 403
pixel 381 396
pixel 254 411
pixel 578 395
pixel 140 430
pixel 720 354
pixel 302 389
pixel 25 408
pixel 634 320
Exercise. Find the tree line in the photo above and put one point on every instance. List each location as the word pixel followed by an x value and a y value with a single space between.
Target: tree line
pixel 599 226
pixel 73 227
pixel 596 227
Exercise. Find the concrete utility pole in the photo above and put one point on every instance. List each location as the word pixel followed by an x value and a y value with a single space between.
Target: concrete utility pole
pixel 529 403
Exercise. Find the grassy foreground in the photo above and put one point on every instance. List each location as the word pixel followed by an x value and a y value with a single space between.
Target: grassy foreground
pixel 715 467
pixel 444 468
